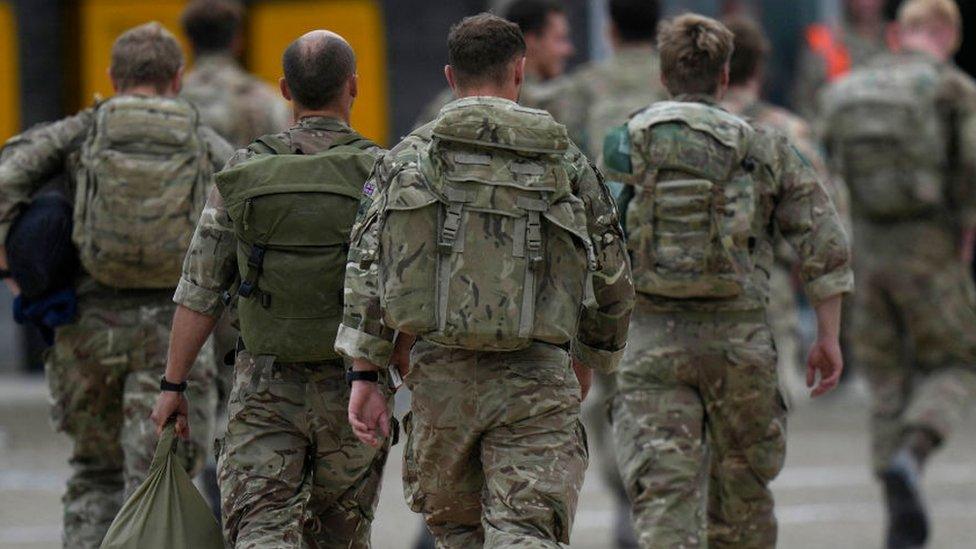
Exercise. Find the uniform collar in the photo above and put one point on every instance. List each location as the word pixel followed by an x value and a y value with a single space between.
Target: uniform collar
pixel 329 123
pixel 697 98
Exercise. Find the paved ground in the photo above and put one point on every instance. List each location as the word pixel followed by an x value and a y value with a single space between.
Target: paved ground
pixel 825 496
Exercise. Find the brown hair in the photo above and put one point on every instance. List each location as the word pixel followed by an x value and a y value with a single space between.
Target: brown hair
pixel 751 49
pixel 147 54
pixel 481 47
pixel 211 25
pixel 694 51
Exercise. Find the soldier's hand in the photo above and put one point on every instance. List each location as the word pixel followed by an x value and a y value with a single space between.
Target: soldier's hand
pixel 585 377
pixel 169 404
pixel 826 359
pixel 368 414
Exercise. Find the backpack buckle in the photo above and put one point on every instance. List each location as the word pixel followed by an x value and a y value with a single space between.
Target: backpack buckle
pixel 246 289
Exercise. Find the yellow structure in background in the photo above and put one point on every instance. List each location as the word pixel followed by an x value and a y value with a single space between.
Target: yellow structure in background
pixel 100 22
pixel 9 73
pixel 273 24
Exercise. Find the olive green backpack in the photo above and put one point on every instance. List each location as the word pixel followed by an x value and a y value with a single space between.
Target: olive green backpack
pixel 483 244
pixel 292 215
pixel 142 180
pixel 690 222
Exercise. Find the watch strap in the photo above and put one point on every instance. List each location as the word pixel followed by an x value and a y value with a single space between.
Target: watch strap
pixel 165 385
pixel 368 375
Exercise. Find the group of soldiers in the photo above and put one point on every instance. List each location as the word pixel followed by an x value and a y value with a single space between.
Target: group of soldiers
pixel 629 221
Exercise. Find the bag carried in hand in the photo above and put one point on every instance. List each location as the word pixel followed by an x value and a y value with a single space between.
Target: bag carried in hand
pixel 166 511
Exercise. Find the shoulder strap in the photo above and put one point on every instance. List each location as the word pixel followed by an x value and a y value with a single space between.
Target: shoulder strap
pixel 271 144
pixel 353 139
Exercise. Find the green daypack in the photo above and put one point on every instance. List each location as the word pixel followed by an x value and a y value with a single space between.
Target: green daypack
pixel 888 140
pixel 142 180
pixel 292 215
pixel 689 224
pixel 166 511
pixel 483 245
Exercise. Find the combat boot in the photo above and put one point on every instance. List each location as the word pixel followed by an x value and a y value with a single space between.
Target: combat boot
pixel 908 524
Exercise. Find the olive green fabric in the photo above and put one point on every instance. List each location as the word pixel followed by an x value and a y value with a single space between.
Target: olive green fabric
pixel 298 209
pixel 887 139
pixel 141 184
pixel 690 222
pixel 166 511
pixel 485 247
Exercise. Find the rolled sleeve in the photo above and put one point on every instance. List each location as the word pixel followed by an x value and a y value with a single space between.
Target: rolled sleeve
pixel 836 283
pixel 357 344
pixel 600 360
pixel 202 300
pixel 210 265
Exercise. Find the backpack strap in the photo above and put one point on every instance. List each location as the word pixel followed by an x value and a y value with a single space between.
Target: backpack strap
pixel 531 246
pixel 271 144
pixel 353 139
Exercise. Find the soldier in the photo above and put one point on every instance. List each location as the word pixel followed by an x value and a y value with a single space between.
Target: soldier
pixel 240 107
pixel 512 299
pixel 902 133
pixel 746 77
pixel 290 467
pixel 141 163
pixel 697 389
pixel 548 47
pixel 589 101
pixel 831 52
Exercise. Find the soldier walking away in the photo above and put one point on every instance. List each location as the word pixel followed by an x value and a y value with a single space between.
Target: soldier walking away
pixel 697 392
pixel 902 133
pixel 545 26
pixel 141 165
pixel 291 471
pixel 590 101
pixel 744 99
pixel 490 239
pixel 832 51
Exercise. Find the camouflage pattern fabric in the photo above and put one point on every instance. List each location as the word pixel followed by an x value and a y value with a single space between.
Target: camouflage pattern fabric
pixel 811 73
pixel 103 373
pixel 291 471
pixel 530 90
pixel 701 372
pixel 482 463
pixel 600 95
pixel 697 399
pixel 237 105
pixel 915 310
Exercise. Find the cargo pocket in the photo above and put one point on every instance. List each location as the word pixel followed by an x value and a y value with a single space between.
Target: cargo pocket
pixel 411 479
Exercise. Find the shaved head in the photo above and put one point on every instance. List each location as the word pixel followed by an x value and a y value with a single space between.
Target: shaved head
pixel 317 65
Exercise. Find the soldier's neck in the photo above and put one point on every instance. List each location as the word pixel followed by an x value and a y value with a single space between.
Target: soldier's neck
pixel 340 114
pixel 145 90
pixel 506 92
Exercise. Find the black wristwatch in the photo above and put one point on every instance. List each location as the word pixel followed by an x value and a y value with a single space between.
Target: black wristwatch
pixel 172 387
pixel 367 375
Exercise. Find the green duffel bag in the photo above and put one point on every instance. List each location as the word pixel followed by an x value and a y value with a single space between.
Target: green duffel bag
pixel 166 511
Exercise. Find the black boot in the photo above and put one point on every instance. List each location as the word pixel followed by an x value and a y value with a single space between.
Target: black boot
pixel 623 528
pixel 908 523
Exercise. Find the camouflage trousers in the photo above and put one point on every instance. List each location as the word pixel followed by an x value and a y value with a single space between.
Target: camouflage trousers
pixel 697 399
pixel 103 373
pixel 495 452
pixel 915 337
pixel 291 471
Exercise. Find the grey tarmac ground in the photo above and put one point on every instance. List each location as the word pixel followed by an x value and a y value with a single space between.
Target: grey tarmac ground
pixel 825 496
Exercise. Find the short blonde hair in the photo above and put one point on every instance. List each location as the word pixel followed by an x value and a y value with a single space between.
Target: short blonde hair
pixel 915 13
pixel 146 55
pixel 694 51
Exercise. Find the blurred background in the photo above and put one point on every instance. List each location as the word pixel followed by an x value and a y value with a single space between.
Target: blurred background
pixel 54 58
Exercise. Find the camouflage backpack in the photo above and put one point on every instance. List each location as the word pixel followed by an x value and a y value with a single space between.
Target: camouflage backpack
pixel 483 244
pixel 142 181
pixel 888 140
pixel 292 215
pixel 690 223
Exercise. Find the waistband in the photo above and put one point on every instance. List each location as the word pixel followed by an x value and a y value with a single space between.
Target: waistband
pixel 311 364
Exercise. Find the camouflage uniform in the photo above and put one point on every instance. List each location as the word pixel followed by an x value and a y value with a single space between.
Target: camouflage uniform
pixel 430 111
pixel 915 313
pixel 697 389
pixel 290 468
pixel 783 303
pixel 104 370
pixel 813 72
pixel 495 453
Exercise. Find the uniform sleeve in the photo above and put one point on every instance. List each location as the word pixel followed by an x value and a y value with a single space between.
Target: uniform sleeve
pixel 963 101
pixel 210 265
pixel 37 155
pixel 604 321
pixel 362 333
pixel 220 150
pixel 809 221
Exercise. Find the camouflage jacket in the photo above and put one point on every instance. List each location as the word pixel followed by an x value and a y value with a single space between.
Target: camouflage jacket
pixel 812 71
pixel 44 151
pixel 793 200
pixel 530 89
pixel 600 95
pixel 956 99
pixel 211 267
pixel 238 106
pixel 602 333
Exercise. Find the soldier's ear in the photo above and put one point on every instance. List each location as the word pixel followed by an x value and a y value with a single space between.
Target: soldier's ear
pixel 176 84
pixel 285 91
pixel 451 78
pixel 354 85
pixel 520 72
pixel 115 85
